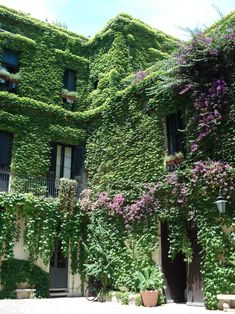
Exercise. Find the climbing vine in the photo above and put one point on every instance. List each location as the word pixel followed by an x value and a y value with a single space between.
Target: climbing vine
pixel 129 78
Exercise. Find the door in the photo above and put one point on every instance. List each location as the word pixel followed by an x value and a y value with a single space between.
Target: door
pixel 194 279
pixel 174 271
pixel 58 268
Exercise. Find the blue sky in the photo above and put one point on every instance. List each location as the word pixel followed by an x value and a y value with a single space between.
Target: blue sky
pixel 87 17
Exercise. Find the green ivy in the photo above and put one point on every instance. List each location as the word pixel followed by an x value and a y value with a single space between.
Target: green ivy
pixel 14 271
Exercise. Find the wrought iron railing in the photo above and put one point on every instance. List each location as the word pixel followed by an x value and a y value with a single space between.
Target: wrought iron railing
pixel 47 187
pixel 4 181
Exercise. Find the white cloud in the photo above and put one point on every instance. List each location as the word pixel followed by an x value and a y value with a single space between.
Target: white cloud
pixel 41 9
pixel 166 15
pixel 182 14
pixel 169 15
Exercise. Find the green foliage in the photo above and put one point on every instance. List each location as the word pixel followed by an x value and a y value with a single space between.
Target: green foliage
pixel 150 278
pixel 123 297
pixel 114 253
pixel 122 122
pixel 9 228
pixel 138 300
pixel 102 246
pixel 218 274
pixel 70 224
pixel 14 271
pixel 41 221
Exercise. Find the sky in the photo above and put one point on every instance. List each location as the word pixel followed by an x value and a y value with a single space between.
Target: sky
pixel 87 17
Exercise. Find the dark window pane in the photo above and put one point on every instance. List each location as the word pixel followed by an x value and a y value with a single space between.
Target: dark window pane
pixel 70 80
pixel 174 126
pixel 11 60
pixel 11 57
pixel 77 161
pixel 6 140
pixel 95 84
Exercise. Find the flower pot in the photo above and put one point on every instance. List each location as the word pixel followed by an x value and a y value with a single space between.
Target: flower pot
pixel 149 298
pixel 179 160
pixel 169 162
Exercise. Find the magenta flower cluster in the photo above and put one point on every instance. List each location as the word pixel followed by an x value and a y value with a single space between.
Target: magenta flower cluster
pixel 179 189
pixel 147 204
pixel 214 176
pixel 139 76
pixel 202 71
pixel 209 107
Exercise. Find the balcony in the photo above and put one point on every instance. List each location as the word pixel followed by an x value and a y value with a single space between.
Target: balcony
pixel 38 186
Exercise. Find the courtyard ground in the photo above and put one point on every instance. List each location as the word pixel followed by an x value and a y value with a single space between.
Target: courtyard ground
pixel 82 306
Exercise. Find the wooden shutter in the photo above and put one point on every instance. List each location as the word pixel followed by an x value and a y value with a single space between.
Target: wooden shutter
pixel 52 169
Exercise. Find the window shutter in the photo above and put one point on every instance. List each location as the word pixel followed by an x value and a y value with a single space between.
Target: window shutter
pixel 53 161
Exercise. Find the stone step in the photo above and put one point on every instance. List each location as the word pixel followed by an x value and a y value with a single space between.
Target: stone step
pixel 58 292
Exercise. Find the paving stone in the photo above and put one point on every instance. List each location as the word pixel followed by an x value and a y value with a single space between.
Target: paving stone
pixel 82 306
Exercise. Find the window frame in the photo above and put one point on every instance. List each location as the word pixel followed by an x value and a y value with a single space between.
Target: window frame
pixel 11 67
pixel 174 138
pixel 66 83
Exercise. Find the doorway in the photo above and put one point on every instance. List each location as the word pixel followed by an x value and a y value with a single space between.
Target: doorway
pixel 194 278
pixel 58 268
pixel 174 271
pixel 183 281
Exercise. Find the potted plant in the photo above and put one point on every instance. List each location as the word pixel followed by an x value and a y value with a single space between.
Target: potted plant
pixel 150 283
pixel 7 76
pixel 70 96
pixel 169 160
pixel 179 157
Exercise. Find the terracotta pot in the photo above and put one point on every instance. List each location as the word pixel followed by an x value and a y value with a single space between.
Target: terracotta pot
pixel 149 298
pixel 169 162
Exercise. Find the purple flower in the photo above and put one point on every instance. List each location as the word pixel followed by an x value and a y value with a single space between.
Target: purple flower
pixel 194 147
pixel 139 76
pixel 117 204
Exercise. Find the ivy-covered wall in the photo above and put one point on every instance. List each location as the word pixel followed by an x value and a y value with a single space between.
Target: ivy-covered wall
pixel 35 115
pixel 129 78
pixel 125 152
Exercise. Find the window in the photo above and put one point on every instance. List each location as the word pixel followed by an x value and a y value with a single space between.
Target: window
pixel 11 60
pixel 6 140
pixel 70 80
pixel 10 66
pixel 66 161
pixel 175 138
pixel 95 84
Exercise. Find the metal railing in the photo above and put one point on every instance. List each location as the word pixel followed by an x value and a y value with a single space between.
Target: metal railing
pixel 4 181
pixel 47 187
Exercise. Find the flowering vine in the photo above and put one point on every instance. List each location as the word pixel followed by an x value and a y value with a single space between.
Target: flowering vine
pixel 179 189
pixel 205 77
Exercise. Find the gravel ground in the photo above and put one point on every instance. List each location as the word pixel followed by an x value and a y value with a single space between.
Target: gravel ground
pixel 82 306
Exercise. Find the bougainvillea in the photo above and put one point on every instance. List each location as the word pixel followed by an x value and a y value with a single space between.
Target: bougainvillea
pixel 181 198
pixel 205 77
pixel 118 205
